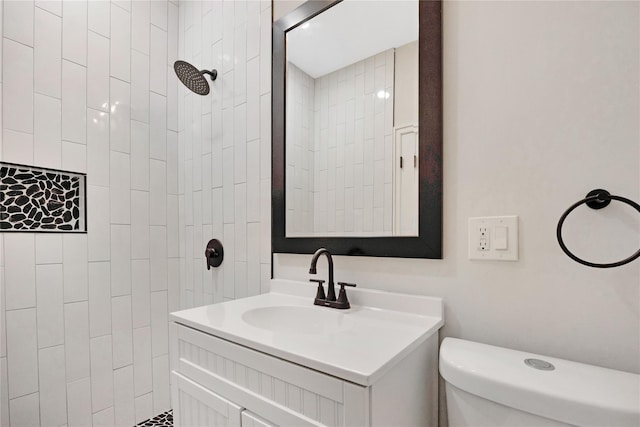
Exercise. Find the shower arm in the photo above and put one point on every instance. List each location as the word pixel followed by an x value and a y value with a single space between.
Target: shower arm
pixel 213 73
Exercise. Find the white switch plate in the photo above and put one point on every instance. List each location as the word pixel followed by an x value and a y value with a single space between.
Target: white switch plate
pixel 485 245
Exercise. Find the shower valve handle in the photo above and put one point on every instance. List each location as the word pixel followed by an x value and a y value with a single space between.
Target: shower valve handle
pixel 214 253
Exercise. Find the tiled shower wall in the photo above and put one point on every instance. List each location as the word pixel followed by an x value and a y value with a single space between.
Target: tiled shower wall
pixel 87 87
pixel 224 150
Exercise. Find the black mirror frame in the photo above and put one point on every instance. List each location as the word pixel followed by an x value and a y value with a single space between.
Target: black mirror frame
pixel 428 244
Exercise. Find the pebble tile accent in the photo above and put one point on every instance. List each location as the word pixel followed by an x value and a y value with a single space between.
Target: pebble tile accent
pixel 163 420
pixel 37 199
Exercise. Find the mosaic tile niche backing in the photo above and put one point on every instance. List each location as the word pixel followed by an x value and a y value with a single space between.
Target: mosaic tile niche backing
pixel 163 420
pixel 43 200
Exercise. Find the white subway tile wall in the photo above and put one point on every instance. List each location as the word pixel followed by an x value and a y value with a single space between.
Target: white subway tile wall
pixel 223 144
pixel 80 342
pixel 101 373
pixel 53 386
pixel 144 407
pixel 78 402
pixel 124 396
pixel 22 352
pixel 47 50
pixel 76 341
pixel 18 71
pixel 104 418
pixel 49 305
pixel 84 318
pixel 142 367
pixel 122 331
pixel 47 145
pixel 97 71
pixel 26 410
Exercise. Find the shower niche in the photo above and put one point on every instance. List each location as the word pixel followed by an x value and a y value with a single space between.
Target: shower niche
pixel 34 199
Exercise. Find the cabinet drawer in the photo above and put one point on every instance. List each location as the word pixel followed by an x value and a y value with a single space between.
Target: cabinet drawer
pixel 280 391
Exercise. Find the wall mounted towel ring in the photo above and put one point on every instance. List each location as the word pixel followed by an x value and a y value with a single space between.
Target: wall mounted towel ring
pixel 596 199
pixel 214 254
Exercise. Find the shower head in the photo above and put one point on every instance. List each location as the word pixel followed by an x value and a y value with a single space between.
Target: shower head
pixel 192 78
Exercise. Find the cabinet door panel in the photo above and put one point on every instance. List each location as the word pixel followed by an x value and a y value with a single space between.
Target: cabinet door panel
pixel 196 348
pixel 284 393
pixel 197 406
pixel 249 419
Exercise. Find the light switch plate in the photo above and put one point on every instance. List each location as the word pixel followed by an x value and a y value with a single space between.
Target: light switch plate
pixel 493 238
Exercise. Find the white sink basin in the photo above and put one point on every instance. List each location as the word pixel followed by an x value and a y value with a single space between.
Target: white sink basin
pixel 359 345
pixel 297 319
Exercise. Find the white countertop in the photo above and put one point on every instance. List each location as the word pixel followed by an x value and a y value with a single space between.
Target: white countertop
pixel 379 329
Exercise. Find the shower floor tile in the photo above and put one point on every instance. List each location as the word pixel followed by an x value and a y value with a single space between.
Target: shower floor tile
pixel 163 420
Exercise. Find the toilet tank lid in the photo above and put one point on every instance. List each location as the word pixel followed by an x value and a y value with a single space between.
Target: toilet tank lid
pixel 573 393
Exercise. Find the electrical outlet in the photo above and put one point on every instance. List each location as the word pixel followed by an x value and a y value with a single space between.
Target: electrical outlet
pixel 493 238
pixel 483 239
pixel 483 245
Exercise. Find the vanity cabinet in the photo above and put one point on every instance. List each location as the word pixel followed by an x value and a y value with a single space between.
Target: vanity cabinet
pixel 217 382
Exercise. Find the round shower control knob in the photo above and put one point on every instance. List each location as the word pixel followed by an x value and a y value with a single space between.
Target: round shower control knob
pixel 214 253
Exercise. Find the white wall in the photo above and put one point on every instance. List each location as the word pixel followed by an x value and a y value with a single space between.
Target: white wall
pixel 541 105
pixel 224 151
pixel 84 316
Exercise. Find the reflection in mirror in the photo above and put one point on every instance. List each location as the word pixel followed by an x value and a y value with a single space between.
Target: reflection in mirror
pixel 287 176
pixel 352 121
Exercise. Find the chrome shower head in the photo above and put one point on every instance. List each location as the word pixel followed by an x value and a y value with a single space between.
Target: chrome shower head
pixel 192 78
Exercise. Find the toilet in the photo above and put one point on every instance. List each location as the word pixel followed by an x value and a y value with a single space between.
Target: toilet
pixel 494 387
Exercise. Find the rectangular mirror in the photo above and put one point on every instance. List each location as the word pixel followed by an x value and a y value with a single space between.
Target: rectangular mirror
pixel 357 129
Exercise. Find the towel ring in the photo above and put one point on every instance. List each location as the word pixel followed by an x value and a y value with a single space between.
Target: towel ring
pixel 596 199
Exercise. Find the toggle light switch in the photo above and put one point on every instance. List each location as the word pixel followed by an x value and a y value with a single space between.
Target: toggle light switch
pixel 500 238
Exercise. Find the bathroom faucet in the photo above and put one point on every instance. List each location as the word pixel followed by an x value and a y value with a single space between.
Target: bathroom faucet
pixel 330 300
pixel 331 292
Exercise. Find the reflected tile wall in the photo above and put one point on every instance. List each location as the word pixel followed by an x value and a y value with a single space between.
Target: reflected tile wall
pixel 343 134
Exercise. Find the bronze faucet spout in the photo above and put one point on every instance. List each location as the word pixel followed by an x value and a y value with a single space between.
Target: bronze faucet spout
pixel 331 293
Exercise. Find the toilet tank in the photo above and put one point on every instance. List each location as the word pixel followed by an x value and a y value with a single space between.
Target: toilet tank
pixel 571 393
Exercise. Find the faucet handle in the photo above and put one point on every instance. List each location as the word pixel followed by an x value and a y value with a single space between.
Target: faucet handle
pixel 343 284
pixel 342 301
pixel 320 294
